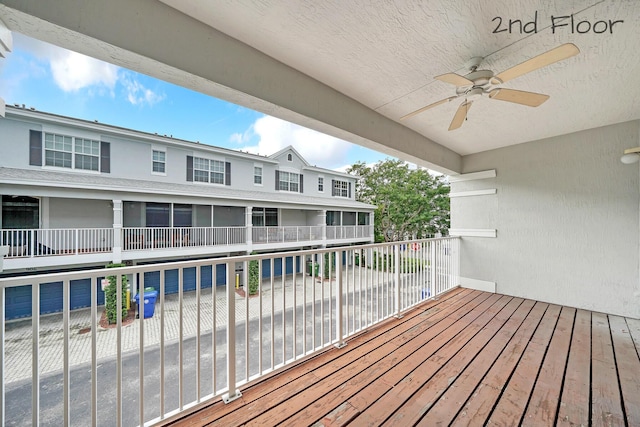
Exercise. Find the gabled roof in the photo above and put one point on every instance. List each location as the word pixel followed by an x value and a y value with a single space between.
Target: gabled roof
pixel 289 148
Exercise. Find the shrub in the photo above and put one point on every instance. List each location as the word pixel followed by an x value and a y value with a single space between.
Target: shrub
pixel 254 276
pixel 111 301
pixel 329 260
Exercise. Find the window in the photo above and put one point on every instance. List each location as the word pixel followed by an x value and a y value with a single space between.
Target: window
pixel 205 170
pixel 257 175
pixel 87 154
pixel 264 217
pixel 58 150
pixel 289 157
pixel 66 152
pixel 217 171
pixel 159 161
pixel 321 184
pixel 289 181
pixel 340 188
pixel 158 214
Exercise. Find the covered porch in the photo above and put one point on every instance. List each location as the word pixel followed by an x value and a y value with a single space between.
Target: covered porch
pixel 466 358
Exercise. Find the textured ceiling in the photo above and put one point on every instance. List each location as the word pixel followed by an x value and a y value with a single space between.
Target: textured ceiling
pixel 385 55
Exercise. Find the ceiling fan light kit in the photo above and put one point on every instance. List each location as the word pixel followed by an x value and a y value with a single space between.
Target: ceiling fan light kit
pixel 478 83
pixel 630 156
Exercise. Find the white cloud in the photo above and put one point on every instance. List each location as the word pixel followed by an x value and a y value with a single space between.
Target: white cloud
pixel 137 93
pixel 72 71
pixel 274 134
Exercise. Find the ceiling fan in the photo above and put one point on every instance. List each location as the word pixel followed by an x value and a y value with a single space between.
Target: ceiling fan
pixel 483 82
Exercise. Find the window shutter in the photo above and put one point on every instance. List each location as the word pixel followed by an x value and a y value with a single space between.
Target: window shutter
pixel 189 168
pixel 333 187
pixel 35 148
pixel 277 180
pixel 227 173
pixel 301 181
pixel 349 190
pixel 105 157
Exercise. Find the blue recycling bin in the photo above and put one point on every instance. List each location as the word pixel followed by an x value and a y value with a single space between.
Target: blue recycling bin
pixel 149 300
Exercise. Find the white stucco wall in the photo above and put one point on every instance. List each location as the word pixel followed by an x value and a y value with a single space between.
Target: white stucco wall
pixel 78 213
pixel 566 212
pixel 293 217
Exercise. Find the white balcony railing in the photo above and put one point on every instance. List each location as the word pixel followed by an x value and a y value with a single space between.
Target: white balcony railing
pixel 286 234
pixel 139 238
pixel 204 343
pixel 63 241
pixel 336 232
pixel 47 242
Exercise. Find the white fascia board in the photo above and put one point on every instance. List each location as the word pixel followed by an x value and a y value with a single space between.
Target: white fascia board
pixel 6 40
pixel 473 176
pixel 486 192
pixel 240 200
pixel 473 232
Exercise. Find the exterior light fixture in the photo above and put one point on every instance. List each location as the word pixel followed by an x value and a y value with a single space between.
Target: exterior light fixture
pixel 631 155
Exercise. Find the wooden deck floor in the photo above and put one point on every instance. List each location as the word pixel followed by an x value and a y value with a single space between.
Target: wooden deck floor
pixel 470 358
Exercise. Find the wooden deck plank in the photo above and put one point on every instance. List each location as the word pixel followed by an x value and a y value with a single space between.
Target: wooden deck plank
pixel 479 405
pixel 448 406
pixel 574 403
pixel 430 391
pixel 406 386
pixel 330 362
pixel 470 359
pixel 402 357
pixel 371 394
pixel 627 361
pixel 543 404
pixel 301 377
pixel 606 405
pixel 634 329
pixel 510 408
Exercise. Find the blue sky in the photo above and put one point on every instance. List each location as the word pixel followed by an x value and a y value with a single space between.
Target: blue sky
pixel 58 81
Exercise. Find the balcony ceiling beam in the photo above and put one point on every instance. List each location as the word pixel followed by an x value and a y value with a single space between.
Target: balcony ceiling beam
pixel 150 37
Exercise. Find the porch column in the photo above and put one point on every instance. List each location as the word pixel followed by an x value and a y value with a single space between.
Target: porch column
pixel 117 231
pixel 322 222
pixel 372 234
pixel 248 223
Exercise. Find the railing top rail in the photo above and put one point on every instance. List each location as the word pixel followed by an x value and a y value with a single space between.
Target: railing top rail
pixel 103 272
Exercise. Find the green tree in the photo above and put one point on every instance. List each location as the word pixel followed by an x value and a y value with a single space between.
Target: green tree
pixel 411 203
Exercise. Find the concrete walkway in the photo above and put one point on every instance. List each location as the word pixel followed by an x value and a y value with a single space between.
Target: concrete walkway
pixel 19 339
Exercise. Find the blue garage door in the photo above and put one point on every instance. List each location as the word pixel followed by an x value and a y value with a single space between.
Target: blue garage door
pixel 18 300
pixel 171 279
pixel 277 266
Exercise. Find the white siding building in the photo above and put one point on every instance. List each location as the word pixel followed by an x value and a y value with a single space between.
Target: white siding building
pixel 77 193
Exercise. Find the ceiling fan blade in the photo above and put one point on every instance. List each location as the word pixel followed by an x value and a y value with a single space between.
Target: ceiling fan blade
pixel 454 79
pixel 559 53
pixel 530 99
pixel 460 115
pixel 435 104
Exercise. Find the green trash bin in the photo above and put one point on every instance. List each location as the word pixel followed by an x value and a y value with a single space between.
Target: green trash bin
pixel 312 268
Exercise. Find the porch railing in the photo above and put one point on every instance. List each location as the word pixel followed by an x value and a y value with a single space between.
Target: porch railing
pixel 139 238
pixel 62 241
pixel 205 340
pixel 286 234
pixel 349 231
